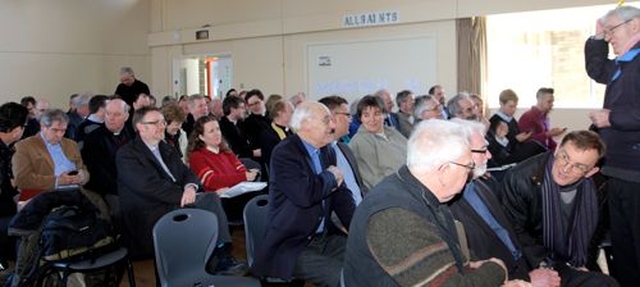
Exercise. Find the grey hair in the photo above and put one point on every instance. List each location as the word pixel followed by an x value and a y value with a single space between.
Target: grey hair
pixel 53 115
pixel 625 13
pixel 125 106
pixel 471 126
pixel 421 105
pixel 303 112
pixel 434 143
pixel 453 105
pixel 82 99
pixel 192 100
pixel 126 70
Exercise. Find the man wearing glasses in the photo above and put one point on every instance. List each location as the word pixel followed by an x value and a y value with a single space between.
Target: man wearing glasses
pixel 403 234
pixel 551 202
pixel 618 122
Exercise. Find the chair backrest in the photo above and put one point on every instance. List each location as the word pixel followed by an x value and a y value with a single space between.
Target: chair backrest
pixel 255 224
pixel 183 241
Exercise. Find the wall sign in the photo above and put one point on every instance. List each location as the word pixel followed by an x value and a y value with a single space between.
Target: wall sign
pixel 371 19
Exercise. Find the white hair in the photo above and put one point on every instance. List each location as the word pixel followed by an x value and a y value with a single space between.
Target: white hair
pixel 303 112
pixel 625 13
pixel 474 127
pixel 435 142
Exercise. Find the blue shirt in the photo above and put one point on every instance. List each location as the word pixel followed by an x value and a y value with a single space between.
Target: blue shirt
pixel 349 176
pixel 314 154
pixel 61 163
pixel 471 196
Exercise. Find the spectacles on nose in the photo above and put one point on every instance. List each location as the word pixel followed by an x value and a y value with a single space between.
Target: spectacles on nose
pixel 155 123
pixel 470 166
pixel 609 31
pixel 563 158
pixel 482 151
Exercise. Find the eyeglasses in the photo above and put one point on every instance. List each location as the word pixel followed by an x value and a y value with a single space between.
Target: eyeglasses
pixel 482 151
pixel 253 104
pixel 342 113
pixel 565 161
pixel 609 31
pixel 470 166
pixel 155 123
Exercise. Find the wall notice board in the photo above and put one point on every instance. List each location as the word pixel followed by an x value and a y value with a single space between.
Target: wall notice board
pixel 357 68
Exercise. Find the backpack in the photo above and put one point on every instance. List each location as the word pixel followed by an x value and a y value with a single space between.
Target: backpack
pixel 69 231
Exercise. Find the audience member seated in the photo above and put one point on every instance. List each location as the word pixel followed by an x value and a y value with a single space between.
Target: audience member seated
pixel 427 107
pixel 536 120
pixel 78 111
pixel 257 121
pixel 403 234
pixel 305 187
pixel 488 231
pixel 506 143
pixel 13 118
pixel 197 108
pixel 33 126
pixel 99 151
pixel 272 100
pixel 48 161
pixel 215 108
pixel 406 103
pixel 478 108
pixel 153 180
pixel 346 161
pixel 390 118
pixel 379 150
pixel 216 166
pixel 94 120
pixel 551 201
pixel 174 135
pixel 437 92
pixel 231 126
pixel 278 130
pixel 461 106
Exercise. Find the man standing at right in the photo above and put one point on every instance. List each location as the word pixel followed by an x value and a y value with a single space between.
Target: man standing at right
pixel 619 126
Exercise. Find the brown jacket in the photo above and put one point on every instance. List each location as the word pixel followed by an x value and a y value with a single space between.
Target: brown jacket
pixel 33 167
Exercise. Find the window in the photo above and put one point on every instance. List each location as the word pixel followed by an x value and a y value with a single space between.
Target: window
pixel 526 51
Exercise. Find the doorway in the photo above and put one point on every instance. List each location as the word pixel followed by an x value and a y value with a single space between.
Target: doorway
pixel 208 75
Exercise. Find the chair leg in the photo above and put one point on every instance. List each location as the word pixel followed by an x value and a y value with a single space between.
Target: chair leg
pixel 132 279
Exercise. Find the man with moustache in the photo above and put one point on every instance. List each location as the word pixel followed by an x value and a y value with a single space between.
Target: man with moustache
pixel 489 232
pixel 403 234
pixel 551 202
pixel 305 187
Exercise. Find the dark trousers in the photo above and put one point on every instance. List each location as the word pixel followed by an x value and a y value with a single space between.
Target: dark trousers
pixel 570 277
pixel 321 260
pixel 7 243
pixel 624 215
pixel 210 201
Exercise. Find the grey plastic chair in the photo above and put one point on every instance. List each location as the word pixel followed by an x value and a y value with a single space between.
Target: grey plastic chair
pixel 183 241
pixel 255 224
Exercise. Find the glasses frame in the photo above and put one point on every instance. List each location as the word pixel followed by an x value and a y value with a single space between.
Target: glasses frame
pixel 155 123
pixel 610 31
pixel 565 161
pixel 471 166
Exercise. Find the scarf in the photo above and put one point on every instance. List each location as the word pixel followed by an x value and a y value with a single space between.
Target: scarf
pixel 571 248
pixel 282 133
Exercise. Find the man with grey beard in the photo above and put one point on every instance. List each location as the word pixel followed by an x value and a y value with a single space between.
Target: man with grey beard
pixel 489 232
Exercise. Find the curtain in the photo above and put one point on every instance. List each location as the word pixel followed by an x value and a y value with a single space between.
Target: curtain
pixel 471 37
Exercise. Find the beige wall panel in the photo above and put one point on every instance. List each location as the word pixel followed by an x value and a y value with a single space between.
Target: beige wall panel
pixel 467 8
pixel 180 14
pixel 161 66
pixel 443 31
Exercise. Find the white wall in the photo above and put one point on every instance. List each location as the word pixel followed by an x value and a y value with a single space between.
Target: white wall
pixel 51 49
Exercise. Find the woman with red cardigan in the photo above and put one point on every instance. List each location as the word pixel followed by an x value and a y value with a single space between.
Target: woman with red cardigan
pixel 216 165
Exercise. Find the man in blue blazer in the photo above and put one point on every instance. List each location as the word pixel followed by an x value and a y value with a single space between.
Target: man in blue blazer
pixel 305 187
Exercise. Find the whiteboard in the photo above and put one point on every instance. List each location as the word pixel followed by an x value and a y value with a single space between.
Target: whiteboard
pixel 357 68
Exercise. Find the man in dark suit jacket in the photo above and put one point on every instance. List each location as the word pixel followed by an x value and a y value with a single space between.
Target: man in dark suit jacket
pixel 347 163
pixel 305 186
pixel 152 181
pixel 99 152
pixel 130 87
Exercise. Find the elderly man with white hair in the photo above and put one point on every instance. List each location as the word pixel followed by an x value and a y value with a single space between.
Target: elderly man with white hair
pixel 618 123
pixel 305 187
pixel 403 234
